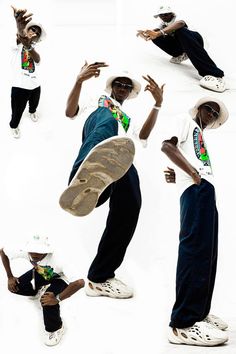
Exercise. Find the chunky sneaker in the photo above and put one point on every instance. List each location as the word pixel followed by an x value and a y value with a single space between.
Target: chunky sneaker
pixel 15 132
pixel 201 334
pixel 213 83
pixel 34 116
pixel 111 287
pixel 179 59
pixel 216 322
pixel 106 163
pixel 53 338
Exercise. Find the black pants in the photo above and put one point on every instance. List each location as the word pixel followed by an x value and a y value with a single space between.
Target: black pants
pixel 51 314
pixel 124 205
pixel 192 44
pixel 19 99
pixel 197 260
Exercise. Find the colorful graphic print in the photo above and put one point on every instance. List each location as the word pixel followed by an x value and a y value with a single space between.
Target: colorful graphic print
pixel 45 271
pixel 27 62
pixel 117 113
pixel 200 147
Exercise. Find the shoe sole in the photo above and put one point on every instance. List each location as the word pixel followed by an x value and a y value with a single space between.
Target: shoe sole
pixel 212 89
pixel 176 340
pixel 105 164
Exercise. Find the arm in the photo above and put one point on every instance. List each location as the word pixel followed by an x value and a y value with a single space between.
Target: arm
pixel 22 19
pixel 153 34
pixel 49 299
pixel 157 93
pixel 28 45
pixel 170 149
pixel 12 281
pixel 86 72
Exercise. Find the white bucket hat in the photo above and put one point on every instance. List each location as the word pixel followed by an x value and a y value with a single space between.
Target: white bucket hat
pixel 164 10
pixel 136 85
pixel 33 23
pixel 223 115
pixel 38 244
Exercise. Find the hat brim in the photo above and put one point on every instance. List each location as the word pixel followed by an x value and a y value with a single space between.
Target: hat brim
pixel 223 116
pixel 33 23
pixel 136 85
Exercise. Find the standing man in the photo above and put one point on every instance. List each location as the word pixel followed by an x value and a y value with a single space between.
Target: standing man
pixel 103 170
pixel 47 274
pixel 25 58
pixel 174 37
pixel 191 322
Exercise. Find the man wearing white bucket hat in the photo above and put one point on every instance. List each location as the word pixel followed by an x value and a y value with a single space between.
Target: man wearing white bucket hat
pixel 174 37
pixel 191 321
pixel 48 280
pixel 103 170
pixel 25 59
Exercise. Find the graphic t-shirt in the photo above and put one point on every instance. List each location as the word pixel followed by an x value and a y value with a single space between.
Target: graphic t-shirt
pixel 24 69
pixel 191 143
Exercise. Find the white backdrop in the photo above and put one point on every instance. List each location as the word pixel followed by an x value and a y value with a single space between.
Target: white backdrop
pixel 35 170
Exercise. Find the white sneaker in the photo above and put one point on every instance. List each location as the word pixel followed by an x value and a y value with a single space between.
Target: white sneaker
pixel 201 334
pixel 106 163
pixel 179 59
pixel 15 132
pixel 34 116
pixel 213 83
pixel 216 322
pixel 111 287
pixel 53 338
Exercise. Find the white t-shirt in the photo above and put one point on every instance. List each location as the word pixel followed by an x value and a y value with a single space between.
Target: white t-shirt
pixel 24 69
pixel 50 265
pixel 191 144
pixel 162 24
pixel 86 108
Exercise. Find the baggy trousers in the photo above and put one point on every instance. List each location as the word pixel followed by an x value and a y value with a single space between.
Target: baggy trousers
pixel 197 258
pixel 19 99
pixel 124 203
pixel 51 314
pixel 191 43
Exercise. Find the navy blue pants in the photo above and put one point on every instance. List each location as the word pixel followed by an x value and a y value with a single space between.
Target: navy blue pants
pixel 192 44
pixel 51 314
pixel 19 99
pixel 124 203
pixel 197 259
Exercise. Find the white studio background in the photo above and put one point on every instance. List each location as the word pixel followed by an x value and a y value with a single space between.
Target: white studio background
pixel 35 170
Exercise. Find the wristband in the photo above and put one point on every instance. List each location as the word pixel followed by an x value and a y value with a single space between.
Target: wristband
pixel 156 107
pixel 163 33
pixel 58 298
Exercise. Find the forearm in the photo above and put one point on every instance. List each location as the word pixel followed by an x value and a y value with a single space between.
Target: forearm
pixel 34 55
pixel 178 158
pixel 72 105
pixel 173 27
pixel 71 289
pixel 149 124
pixel 6 264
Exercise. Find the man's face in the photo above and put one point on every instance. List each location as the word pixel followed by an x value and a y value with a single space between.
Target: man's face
pixel 121 88
pixel 167 17
pixel 36 257
pixel 34 32
pixel 209 112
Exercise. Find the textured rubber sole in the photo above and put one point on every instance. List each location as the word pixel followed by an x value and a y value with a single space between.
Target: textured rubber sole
pixel 106 163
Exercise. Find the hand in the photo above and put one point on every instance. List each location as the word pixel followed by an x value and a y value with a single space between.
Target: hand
pixel 12 284
pixel 156 91
pixel 142 34
pixel 196 177
pixel 22 19
pixel 89 70
pixel 48 299
pixel 150 34
pixel 27 40
pixel 170 175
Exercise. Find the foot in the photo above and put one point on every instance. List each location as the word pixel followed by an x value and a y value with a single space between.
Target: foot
pixel 213 83
pixel 15 132
pixel 34 116
pixel 111 287
pixel 53 338
pixel 179 59
pixel 200 334
pixel 216 322
pixel 106 163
